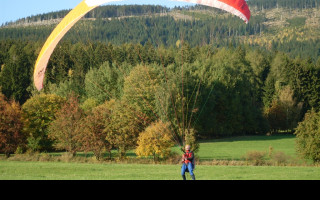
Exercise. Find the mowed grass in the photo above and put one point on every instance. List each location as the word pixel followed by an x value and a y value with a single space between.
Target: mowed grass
pixel 17 170
pixel 236 148
pixel 220 149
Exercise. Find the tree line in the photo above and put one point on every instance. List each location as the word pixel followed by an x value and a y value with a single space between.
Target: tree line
pixel 100 12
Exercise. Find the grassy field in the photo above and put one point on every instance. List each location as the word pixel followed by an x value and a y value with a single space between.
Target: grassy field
pixel 221 149
pixel 236 148
pixel 17 170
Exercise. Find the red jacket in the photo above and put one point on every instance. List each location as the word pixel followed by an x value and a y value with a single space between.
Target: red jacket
pixel 188 157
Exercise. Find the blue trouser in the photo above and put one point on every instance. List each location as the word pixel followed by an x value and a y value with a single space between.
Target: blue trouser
pixel 185 167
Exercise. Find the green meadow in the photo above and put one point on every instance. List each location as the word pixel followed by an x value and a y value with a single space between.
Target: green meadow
pixel 235 148
pixel 16 170
pixel 228 149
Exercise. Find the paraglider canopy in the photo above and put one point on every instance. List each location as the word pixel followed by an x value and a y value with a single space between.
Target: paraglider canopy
pixel 236 7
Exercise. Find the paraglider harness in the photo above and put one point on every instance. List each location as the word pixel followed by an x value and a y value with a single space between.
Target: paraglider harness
pixel 189 154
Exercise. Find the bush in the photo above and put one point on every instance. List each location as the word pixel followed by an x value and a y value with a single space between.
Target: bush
pixel 256 157
pixel 155 141
pixel 280 158
pixel 308 136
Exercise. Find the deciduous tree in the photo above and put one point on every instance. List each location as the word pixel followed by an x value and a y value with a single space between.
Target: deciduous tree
pixel 11 134
pixel 140 87
pixel 103 83
pixel 65 129
pixel 92 133
pixel 38 112
pixel 124 127
pixel 308 136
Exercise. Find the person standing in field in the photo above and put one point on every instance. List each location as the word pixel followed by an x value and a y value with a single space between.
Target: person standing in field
pixel 187 163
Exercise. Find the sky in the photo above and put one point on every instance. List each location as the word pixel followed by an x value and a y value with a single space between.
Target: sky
pixel 12 10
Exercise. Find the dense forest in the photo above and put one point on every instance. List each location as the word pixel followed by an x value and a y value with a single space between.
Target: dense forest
pixel 160 30
pixel 185 66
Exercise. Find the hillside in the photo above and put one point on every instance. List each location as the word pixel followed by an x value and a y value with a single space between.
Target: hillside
pixel 292 30
pixel 286 26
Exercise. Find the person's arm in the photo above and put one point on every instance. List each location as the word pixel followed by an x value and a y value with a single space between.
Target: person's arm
pixel 183 158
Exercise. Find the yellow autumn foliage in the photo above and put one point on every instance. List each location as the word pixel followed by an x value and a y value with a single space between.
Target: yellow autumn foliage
pixel 155 141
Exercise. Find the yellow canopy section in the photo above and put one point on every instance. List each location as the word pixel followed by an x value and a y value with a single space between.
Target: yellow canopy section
pixel 64 26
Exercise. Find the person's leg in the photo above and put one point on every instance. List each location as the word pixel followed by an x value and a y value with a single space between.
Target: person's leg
pixel 190 168
pixel 183 171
